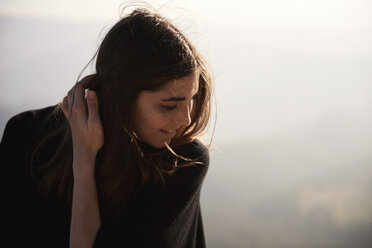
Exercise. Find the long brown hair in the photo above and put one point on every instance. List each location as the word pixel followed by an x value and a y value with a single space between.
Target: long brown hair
pixel 142 51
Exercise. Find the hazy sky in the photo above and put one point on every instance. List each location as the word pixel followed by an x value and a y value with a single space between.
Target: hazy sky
pixel 276 64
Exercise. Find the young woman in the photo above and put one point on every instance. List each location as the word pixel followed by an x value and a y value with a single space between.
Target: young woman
pixel 118 163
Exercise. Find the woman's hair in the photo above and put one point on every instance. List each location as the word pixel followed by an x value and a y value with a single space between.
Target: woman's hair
pixel 141 52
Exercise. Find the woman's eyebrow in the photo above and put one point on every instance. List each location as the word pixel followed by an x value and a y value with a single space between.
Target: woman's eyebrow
pixel 176 99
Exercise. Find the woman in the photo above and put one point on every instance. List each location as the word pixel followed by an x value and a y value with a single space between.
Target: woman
pixel 118 162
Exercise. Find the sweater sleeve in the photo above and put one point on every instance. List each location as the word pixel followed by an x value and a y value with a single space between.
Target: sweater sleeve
pixel 27 217
pixel 163 217
pixel 13 151
pixel 7 187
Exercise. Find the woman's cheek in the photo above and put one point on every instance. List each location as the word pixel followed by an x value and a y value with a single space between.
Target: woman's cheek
pixel 164 119
pixel 157 119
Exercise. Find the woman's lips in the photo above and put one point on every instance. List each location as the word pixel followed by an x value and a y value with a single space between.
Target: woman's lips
pixel 169 133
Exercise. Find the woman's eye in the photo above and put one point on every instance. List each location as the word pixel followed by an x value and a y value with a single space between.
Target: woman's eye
pixel 169 108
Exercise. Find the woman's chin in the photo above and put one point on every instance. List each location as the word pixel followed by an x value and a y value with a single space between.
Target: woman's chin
pixel 156 145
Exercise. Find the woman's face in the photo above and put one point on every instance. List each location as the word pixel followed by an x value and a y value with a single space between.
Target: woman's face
pixel 158 115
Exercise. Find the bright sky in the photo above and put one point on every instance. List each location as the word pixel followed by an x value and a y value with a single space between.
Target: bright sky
pixel 325 13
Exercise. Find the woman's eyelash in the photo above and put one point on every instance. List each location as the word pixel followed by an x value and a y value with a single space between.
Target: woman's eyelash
pixel 169 107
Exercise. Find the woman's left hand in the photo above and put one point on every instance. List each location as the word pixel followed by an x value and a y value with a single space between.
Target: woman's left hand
pixel 87 140
pixel 85 123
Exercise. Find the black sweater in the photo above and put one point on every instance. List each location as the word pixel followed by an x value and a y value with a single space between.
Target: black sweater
pixel 154 216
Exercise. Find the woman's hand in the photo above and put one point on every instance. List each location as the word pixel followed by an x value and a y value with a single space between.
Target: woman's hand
pixel 86 126
pixel 87 140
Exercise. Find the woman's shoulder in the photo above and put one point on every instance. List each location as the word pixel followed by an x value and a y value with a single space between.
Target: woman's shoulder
pixel 33 115
pixel 26 125
pixel 30 119
pixel 20 134
pixel 195 150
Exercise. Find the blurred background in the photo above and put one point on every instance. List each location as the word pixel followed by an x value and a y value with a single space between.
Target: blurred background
pixel 291 160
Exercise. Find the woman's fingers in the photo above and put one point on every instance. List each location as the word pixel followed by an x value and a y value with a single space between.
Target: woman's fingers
pixel 78 101
pixel 83 117
pixel 73 105
pixel 92 102
pixel 94 124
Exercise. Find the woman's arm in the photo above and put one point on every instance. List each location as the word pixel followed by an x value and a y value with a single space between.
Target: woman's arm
pixel 87 139
pixel 85 219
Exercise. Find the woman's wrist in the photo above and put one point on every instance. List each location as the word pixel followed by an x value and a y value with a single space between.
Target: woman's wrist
pixel 84 164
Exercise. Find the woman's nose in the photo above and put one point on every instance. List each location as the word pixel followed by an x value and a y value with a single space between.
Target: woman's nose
pixel 184 117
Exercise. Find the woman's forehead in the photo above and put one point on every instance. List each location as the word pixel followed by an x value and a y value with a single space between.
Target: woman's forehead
pixel 174 90
pixel 188 85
